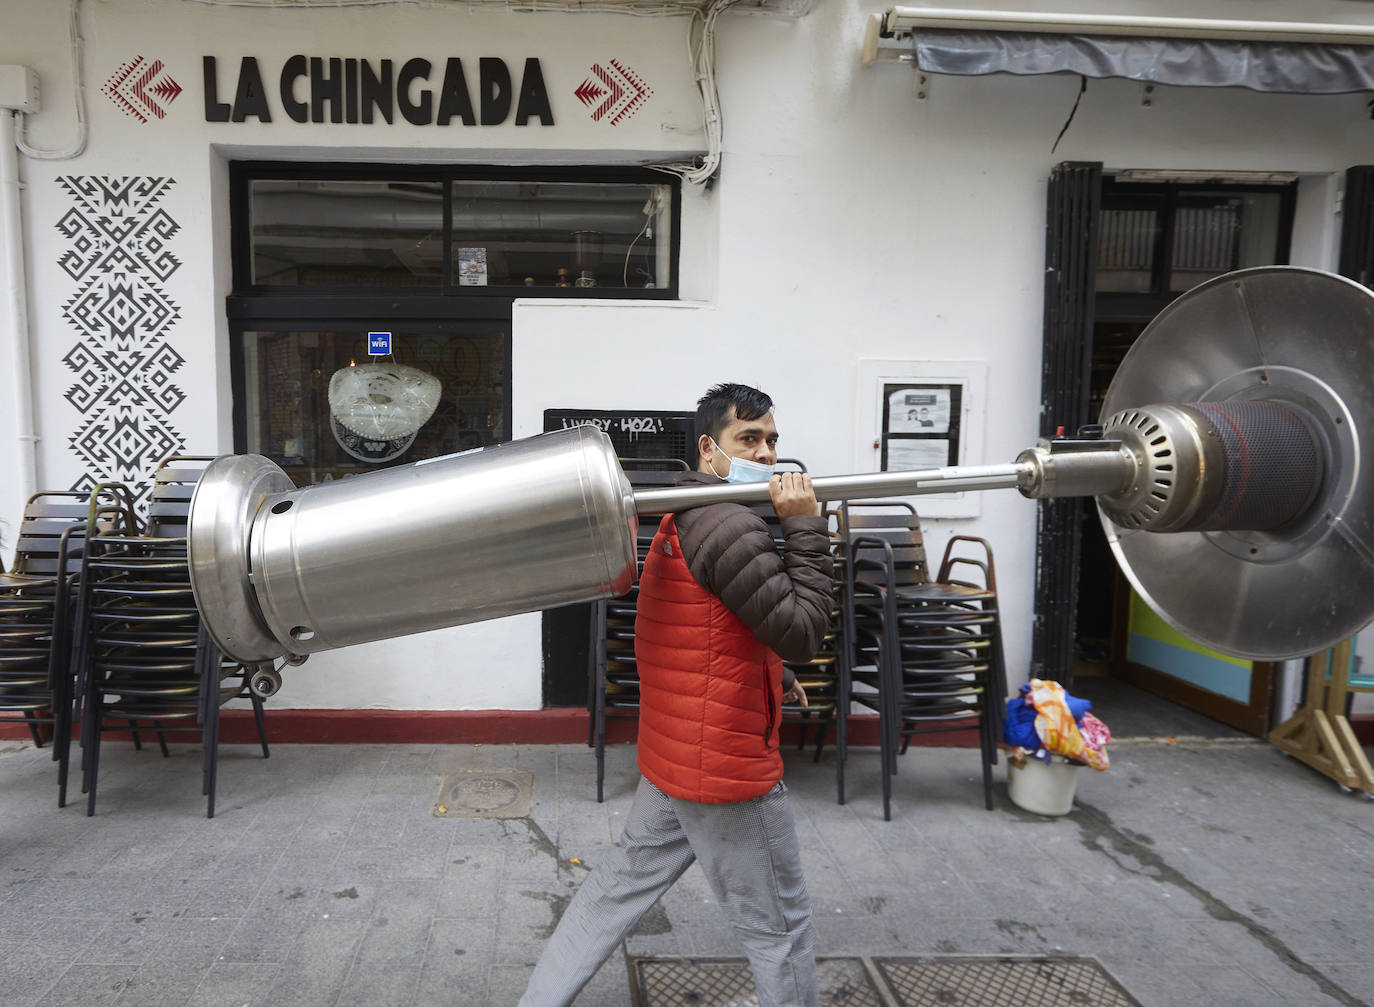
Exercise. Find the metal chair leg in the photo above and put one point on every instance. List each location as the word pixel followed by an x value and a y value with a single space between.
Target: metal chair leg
pixel 260 719
pixel 210 739
pixel 32 724
pixel 94 763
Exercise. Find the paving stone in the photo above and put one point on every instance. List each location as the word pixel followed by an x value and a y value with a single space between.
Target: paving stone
pixel 526 916
pixel 162 983
pixel 506 983
pixel 236 984
pixel 266 932
pixel 398 929
pixel 24 978
pixel 318 964
pixel 88 985
pixel 379 986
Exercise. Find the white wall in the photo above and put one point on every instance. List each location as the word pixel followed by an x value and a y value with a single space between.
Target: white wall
pixel 850 221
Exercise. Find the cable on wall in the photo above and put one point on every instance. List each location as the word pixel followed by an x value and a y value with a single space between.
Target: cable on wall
pixel 79 144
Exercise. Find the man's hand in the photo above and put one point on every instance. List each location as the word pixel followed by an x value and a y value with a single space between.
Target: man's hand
pixel 792 494
pixel 795 696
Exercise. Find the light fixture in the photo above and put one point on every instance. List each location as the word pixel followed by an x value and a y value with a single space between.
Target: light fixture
pixel 377 408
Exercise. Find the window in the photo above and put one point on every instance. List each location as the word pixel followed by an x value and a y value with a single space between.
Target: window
pixel 542 233
pixel 341 232
pixel 325 254
pixel 288 415
pixel 536 234
pixel 1159 240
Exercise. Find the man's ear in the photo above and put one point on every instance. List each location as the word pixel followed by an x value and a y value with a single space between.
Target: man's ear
pixel 705 446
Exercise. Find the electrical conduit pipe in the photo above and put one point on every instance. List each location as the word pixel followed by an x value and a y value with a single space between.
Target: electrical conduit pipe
pixel 15 325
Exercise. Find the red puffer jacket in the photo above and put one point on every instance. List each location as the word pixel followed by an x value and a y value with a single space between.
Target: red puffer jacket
pixel 717 605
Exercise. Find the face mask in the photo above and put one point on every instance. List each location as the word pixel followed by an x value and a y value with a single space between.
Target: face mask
pixel 742 470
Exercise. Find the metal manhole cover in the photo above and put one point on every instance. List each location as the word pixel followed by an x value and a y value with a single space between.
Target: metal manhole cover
pixel 999 980
pixel 486 793
pixel 718 982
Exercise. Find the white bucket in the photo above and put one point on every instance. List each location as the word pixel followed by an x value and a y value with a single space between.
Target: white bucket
pixel 1043 789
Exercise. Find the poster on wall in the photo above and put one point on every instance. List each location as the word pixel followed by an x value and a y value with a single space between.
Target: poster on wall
pixel 918 410
pixel 905 455
pixel 921 425
pixel 923 414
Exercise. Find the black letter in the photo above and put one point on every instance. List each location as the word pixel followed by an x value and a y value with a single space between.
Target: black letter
pixel 350 90
pixel 324 89
pixel 251 98
pixel 215 111
pixel 534 100
pixel 376 91
pixel 453 99
pixel 290 70
pixel 423 113
pixel 494 80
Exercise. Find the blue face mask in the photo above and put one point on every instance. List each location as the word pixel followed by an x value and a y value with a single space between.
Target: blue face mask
pixel 742 470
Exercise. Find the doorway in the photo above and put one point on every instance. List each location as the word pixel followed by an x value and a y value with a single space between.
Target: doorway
pixel 1156 240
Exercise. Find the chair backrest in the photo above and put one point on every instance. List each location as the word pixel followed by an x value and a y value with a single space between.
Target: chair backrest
pixel 899 526
pixel 173 483
pixel 50 513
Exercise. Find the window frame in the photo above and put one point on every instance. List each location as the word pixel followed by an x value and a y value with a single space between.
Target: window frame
pixel 250 300
pixel 274 308
pixel 1135 307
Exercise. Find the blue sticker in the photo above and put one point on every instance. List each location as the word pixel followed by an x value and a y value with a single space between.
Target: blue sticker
pixel 378 344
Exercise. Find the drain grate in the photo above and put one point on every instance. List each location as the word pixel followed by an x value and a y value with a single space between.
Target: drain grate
pixel 718 982
pixel 960 980
pixel 485 793
pixel 982 981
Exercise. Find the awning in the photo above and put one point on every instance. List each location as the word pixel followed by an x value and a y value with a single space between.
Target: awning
pixel 1286 67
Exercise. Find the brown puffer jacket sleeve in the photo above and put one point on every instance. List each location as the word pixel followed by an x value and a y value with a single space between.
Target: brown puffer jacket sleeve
pixel 785 600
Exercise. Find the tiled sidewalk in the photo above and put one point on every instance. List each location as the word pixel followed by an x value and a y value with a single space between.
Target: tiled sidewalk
pixel 1218 873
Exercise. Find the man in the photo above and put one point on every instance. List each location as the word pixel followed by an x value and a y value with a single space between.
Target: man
pixel 718 609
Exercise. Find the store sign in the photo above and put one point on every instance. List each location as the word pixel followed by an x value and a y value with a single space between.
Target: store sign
pixel 349 90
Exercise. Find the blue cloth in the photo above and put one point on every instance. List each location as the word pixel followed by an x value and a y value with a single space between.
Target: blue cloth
pixel 1018 729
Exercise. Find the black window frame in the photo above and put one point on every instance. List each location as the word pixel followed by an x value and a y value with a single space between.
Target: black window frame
pixel 274 308
pixel 1116 195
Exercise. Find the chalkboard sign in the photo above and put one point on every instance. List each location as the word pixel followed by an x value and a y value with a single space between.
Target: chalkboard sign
pixel 636 433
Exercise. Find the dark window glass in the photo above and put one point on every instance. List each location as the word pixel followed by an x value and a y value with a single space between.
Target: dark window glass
pixel 1163 239
pixel 347 233
pixel 547 234
pixel 1126 248
pixel 288 412
pixel 1215 233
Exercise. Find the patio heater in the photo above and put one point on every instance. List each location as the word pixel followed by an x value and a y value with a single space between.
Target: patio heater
pixel 1233 474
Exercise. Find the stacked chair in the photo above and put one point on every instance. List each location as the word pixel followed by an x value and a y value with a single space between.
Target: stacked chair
pixel 820 676
pixel 36 609
pixel 613 681
pixel 925 654
pixel 144 660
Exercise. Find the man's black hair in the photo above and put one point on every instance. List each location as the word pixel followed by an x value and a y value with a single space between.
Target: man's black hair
pixel 713 408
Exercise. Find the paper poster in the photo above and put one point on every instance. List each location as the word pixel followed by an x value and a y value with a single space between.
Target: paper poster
pixel 472 267
pixel 918 411
pixel 929 453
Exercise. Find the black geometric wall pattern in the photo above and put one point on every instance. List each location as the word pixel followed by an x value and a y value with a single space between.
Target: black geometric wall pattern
pixel 118 250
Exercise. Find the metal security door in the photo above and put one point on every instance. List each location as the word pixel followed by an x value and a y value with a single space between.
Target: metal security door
pixel 1357 230
pixel 1071 229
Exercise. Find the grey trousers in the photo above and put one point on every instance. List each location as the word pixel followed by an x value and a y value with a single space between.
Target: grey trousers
pixel 749 853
